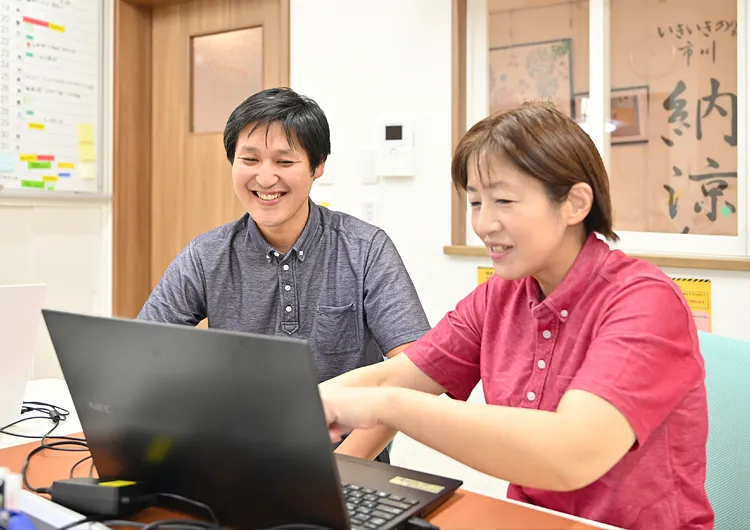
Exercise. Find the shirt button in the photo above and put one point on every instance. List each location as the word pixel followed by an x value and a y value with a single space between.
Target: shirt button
pixel 276 254
pixel 564 313
pixel 531 396
pixel 546 334
pixel 541 364
pixel 288 309
pixel 301 253
pixel 287 287
pixel 286 267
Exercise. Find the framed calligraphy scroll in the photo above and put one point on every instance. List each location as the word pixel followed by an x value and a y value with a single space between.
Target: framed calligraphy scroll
pixel 684 180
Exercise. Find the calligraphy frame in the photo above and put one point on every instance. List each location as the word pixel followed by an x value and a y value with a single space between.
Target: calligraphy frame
pixel 730 252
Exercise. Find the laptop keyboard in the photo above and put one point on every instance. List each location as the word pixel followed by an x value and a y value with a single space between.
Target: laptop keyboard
pixel 371 509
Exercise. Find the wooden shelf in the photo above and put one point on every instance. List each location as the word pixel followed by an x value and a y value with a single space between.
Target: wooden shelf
pixel 722 263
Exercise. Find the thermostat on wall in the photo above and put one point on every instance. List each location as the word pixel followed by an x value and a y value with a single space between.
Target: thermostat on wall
pixel 395 156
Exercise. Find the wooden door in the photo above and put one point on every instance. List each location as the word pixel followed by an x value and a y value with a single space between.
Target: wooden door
pixel 194 44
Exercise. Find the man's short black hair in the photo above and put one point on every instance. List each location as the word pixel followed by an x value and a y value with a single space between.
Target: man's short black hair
pixel 302 120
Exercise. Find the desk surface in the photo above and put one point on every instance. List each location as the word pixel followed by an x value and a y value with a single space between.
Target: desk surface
pixel 462 511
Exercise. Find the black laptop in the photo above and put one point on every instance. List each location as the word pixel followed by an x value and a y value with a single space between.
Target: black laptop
pixel 229 419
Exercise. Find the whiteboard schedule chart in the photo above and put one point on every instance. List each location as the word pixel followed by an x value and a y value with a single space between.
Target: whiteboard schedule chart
pixel 50 96
pixel 395 156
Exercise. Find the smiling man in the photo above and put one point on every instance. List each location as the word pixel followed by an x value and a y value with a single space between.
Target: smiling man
pixel 288 266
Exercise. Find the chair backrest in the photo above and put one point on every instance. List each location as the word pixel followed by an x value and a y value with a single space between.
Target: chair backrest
pixel 728 450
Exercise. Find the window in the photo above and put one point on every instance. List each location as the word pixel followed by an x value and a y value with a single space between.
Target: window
pixel 667 76
pixel 226 68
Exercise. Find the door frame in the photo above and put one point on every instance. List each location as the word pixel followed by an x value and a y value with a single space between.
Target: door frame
pixel 131 149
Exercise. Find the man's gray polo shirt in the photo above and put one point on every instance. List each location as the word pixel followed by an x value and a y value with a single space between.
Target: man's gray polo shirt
pixel 342 285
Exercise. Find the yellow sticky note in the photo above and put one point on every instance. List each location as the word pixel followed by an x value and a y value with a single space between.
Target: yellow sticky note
pixel 28 158
pixel 86 152
pixel 57 27
pixel 85 133
pixel 88 171
pixel 37 126
pixel 49 178
pixel 483 274
pixel 65 165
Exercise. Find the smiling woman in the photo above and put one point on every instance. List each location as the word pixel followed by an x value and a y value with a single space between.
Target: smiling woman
pixel 567 338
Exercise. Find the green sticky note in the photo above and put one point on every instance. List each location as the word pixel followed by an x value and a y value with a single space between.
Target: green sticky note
pixel 32 184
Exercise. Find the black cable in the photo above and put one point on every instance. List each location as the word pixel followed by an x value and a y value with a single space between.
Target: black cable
pixel 81 461
pixel 197 504
pixel 53 413
pixel 52 445
pixel 181 522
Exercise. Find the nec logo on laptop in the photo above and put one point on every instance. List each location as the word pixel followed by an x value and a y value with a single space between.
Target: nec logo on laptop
pixel 99 407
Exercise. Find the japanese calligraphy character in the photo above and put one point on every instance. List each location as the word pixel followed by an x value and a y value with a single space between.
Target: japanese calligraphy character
pixel 712 190
pixel 687 51
pixel 713 185
pixel 676 104
pixel 727 25
pixel 711 50
pixel 660 31
pixel 673 201
pixel 711 105
pixel 680 31
pixel 705 29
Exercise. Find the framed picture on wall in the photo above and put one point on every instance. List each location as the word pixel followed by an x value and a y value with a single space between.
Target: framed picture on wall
pixel 629 114
pixel 533 71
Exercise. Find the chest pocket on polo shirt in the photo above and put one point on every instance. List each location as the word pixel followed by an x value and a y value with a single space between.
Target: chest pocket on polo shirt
pixel 335 329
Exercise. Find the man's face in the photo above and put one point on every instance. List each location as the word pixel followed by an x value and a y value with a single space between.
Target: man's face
pixel 272 179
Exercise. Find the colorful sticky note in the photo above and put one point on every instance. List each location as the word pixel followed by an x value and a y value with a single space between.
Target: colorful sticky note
pixel 484 274
pixel 87 153
pixel 85 133
pixel 36 126
pixel 49 178
pixel 66 165
pixel 57 27
pixel 28 158
pixel 32 184
pixel 7 162
pixel 88 171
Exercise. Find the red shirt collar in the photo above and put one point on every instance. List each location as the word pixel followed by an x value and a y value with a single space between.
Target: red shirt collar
pixel 563 299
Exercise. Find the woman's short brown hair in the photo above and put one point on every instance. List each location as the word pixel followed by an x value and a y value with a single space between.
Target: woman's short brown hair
pixel 546 145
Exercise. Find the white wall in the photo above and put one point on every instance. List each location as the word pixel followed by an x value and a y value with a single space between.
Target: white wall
pixel 364 62
pixel 65 245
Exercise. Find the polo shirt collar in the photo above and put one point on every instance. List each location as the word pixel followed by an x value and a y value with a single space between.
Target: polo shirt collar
pixel 301 247
pixel 564 298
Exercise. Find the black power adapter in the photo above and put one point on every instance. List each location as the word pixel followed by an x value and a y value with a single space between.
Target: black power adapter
pixel 94 497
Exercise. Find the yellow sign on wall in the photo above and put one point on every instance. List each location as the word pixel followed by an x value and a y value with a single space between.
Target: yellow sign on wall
pixel 483 274
pixel 697 293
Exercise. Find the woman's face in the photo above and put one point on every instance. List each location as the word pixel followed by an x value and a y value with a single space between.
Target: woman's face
pixel 526 234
